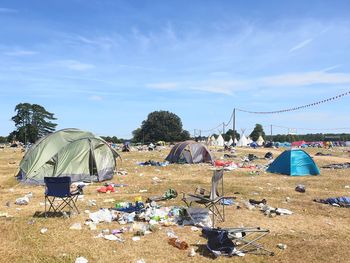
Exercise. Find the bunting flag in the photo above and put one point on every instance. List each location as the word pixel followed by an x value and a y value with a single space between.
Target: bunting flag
pixel 278 111
pixel 297 108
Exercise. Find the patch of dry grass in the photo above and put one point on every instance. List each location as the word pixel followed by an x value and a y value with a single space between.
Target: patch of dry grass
pixel 314 233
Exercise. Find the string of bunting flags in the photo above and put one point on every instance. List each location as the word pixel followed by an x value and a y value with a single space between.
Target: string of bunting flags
pixel 277 111
pixel 297 108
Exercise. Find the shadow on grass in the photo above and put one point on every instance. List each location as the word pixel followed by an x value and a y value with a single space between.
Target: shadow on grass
pixel 41 214
pixel 203 251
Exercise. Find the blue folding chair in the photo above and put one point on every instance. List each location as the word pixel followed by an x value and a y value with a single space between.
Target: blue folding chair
pixel 58 188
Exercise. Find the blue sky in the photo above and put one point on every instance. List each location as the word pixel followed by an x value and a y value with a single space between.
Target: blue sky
pixel 103 66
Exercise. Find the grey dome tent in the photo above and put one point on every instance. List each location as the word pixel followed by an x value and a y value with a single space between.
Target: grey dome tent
pixel 190 152
pixel 78 154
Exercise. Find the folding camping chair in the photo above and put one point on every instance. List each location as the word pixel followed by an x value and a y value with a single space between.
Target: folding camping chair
pixel 211 200
pixel 58 188
pixel 235 241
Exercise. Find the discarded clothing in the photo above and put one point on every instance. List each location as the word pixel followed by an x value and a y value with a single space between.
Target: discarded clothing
pixel 129 208
pixel 229 155
pixel 218 241
pixel 255 202
pixel 224 164
pixel 337 166
pixel 343 201
pixel 154 163
pixel 323 154
pixel 105 189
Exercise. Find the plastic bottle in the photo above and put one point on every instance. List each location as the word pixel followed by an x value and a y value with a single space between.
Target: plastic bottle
pixel 178 243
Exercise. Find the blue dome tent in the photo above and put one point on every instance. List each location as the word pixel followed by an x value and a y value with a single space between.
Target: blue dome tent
pixel 295 163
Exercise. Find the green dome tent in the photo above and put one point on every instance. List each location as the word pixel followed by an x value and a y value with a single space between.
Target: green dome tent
pixel 70 152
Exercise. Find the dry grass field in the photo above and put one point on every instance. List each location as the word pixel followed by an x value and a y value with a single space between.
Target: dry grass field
pixel 314 233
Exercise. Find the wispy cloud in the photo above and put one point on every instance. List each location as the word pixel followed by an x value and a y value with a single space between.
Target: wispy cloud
pixel 301 45
pixel 5 10
pixel 75 65
pixel 225 87
pixel 331 68
pixel 258 85
pixel 104 42
pixel 20 53
pixel 95 98
pixel 306 78
pixel 163 85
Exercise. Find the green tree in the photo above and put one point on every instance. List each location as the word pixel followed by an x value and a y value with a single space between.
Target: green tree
pixel 32 122
pixel 3 139
pixel 229 134
pixel 161 126
pixel 258 131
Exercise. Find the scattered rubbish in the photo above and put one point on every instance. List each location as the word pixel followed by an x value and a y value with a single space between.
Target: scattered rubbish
pixel 111 237
pixel 129 207
pixel 169 194
pixel 199 216
pixel 272 212
pixel 227 201
pixel 337 166
pixel 283 211
pixel 103 215
pixel 110 200
pixel 194 228
pixel 323 154
pixel 347 186
pixel 122 172
pixel 143 191
pixel 154 163
pixel 91 225
pixel 249 206
pixel 24 200
pixel 171 234
pixel 91 203
pixel 141 260
pixel 191 252
pixel 4 214
pixel 300 188
pixel 105 231
pixel 268 155
pixel 81 260
pixel 136 238
pixel 282 246
pixel 75 226
pixel 255 202
pixel 178 243
pixel 43 230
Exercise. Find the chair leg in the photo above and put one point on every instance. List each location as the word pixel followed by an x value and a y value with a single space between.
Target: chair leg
pixel 76 199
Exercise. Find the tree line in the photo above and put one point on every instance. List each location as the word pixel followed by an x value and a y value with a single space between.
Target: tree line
pixel 33 121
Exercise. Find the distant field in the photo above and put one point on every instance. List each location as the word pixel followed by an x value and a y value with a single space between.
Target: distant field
pixel 314 233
